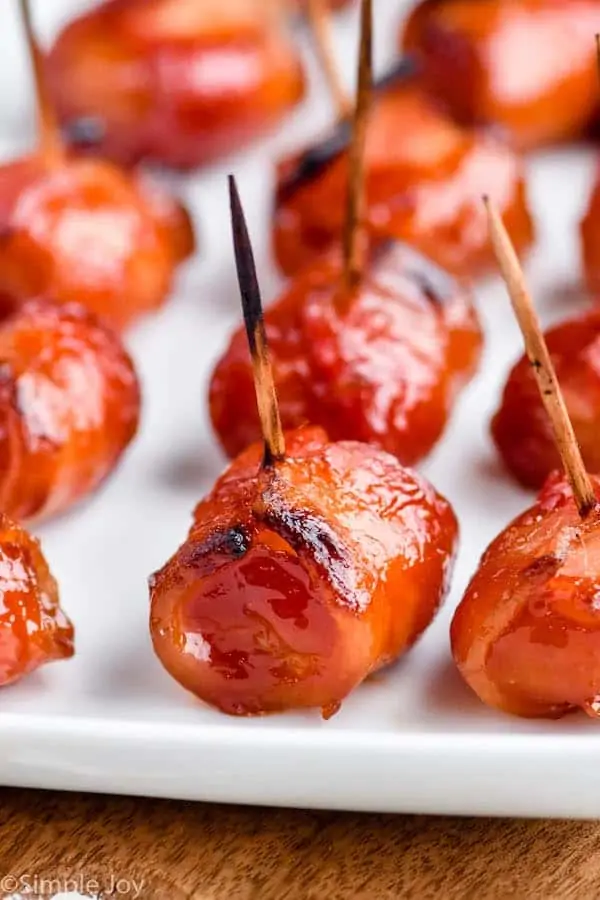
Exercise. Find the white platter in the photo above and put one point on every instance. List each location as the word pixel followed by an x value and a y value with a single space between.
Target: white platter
pixel 412 740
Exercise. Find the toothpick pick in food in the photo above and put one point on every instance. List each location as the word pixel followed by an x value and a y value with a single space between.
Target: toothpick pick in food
pixel 355 198
pixel 539 357
pixel 320 23
pixel 51 145
pixel 266 397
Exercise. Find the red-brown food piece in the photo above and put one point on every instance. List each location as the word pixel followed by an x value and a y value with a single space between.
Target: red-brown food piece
pixel 497 62
pixel 176 81
pixel 424 180
pixel 382 364
pixel 69 406
pixel 296 583
pixel 590 239
pixel 526 635
pixel 521 427
pixel 33 628
pixel 83 230
pixel 334 4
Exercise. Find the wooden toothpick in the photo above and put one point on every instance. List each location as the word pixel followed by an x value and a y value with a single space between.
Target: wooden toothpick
pixel 266 396
pixel 539 357
pixel 355 198
pixel 50 141
pixel 320 23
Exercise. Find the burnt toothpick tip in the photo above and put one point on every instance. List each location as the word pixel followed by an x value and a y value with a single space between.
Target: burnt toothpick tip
pixel 49 137
pixel 266 396
pixel 541 363
pixel 356 175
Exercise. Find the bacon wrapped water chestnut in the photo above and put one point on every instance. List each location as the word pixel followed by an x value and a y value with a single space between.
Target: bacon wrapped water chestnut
pixel 179 82
pixel 527 66
pixel 372 344
pixel 310 565
pixel 424 179
pixel 382 361
pixel 33 628
pixel 84 230
pixel 526 635
pixel 69 407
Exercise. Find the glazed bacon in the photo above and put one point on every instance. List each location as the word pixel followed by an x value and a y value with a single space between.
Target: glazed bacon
pixel 83 230
pixel 310 565
pixel 69 406
pixel 33 628
pixel 298 581
pixel 521 428
pixel 528 66
pixel 424 179
pixel 178 82
pixel 381 362
pixel 526 636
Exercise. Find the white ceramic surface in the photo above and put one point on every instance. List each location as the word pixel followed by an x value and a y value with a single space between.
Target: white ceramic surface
pixel 414 739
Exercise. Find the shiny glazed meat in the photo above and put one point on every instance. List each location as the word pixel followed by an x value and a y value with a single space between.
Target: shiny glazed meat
pixel 526 635
pixel 521 428
pixel 33 628
pixel 425 179
pixel 381 364
pixel 69 406
pixel 297 582
pixel 175 81
pixel 527 65
pixel 82 230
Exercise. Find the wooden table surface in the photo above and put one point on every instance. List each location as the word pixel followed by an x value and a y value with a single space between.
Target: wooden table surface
pixel 162 849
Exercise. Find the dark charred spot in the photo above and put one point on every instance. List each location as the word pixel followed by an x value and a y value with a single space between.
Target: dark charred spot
pixel 434 282
pixel 85 132
pixel 234 542
pixel 303 530
pixel 317 158
pixel 543 568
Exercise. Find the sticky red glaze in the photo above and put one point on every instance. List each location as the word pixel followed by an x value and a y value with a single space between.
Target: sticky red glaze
pixel 84 231
pixel 33 628
pixel 521 428
pixel 526 635
pixel 69 406
pixel 497 62
pixel 425 179
pixel 590 239
pixel 175 81
pixel 295 585
pixel 382 364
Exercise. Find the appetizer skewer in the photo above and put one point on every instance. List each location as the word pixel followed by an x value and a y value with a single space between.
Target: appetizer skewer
pixel 82 229
pixel 310 565
pixel 178 82
pixel 478 58
pixel 33 628
pixel 526 635
pixel 373 344
pixel 520 428
pixel 422 187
